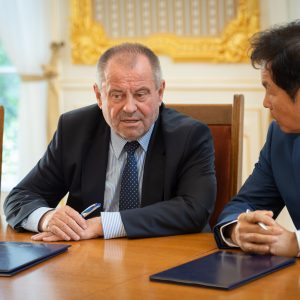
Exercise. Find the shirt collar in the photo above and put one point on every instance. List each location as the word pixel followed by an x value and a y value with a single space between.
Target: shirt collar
pixel 118 142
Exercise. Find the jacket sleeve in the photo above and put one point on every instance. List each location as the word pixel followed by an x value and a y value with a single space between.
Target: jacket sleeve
pixel 42 187
pixel 259 192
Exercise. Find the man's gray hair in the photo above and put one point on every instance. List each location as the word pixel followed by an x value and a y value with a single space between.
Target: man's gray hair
pixel 133 50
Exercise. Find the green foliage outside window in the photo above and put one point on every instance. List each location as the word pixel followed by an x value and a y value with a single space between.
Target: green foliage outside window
pixel 9 98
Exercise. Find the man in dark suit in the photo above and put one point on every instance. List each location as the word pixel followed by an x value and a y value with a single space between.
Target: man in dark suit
pixel 248 220
pixel 172 182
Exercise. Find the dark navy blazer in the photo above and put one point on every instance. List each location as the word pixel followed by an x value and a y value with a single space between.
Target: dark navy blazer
pixel 274 183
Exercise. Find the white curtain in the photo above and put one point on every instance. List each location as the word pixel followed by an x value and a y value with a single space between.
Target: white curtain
pixel 25 35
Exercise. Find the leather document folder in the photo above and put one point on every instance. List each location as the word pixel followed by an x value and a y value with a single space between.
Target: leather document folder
pixel 18 256
pixel 223 269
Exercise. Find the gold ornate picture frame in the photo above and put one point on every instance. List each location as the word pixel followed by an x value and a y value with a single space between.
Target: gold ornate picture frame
pixel 89 38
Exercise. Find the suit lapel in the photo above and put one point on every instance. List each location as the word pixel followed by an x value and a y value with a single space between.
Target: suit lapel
pixel 153 179
pixel 94 167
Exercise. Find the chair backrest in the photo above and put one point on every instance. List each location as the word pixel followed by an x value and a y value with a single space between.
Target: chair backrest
pixel 1 138
pixel 226 124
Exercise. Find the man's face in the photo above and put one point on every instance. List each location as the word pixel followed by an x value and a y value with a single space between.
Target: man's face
pixel 128 96
pixel 283 109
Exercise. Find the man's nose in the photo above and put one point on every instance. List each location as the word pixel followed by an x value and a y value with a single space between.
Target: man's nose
pixel 130 105
pixel 266 102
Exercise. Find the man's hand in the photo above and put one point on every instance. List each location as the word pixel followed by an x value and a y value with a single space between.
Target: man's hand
pixel 286 244
pixel 64 222
pixel 247 234
pixel 93 230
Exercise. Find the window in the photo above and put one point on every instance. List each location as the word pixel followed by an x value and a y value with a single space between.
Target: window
pixel 9 98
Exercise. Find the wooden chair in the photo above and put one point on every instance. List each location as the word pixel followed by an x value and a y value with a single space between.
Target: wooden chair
pixel 1 138
pixel 226 124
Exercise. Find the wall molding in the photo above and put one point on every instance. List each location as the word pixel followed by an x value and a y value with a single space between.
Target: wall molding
pixel 188 84
pixel 90 37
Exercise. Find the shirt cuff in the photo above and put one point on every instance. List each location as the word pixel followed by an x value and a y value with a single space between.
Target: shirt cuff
pixel 298 240
pixel 112 225
pixel 31 223
pixel 226 240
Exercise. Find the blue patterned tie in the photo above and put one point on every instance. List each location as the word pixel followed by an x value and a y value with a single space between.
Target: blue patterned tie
pixel 129 192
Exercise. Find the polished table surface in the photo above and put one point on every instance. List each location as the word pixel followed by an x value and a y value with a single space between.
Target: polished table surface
pixel 120 269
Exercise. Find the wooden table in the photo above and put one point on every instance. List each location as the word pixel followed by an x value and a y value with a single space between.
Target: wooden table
pixel 120 269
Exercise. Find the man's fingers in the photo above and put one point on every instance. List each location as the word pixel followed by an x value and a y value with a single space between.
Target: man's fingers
pixel 46 237
pixel 75 215
pixel 257 238
pixel 66 214
pixel 51 238
pixel 58 233
pixel 63 230
pixel 40 236
pixel 255 248
pixel 67 224
pixel 258 216
pixel 250 222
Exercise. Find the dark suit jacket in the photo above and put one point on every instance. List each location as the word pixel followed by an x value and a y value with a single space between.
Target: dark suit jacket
pixel 274 183
pixel 179 185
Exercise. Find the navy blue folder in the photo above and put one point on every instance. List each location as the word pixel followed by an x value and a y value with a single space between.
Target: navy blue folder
pixel 18 256
pixel 223 269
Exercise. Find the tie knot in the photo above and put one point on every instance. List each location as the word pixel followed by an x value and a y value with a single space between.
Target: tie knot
pixel 130 147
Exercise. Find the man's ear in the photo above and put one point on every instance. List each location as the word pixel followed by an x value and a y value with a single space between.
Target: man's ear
pixel 297 97
pixel 97 94
pixel 161 91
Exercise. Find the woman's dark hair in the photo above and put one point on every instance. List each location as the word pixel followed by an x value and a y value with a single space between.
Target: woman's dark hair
pixel 278 50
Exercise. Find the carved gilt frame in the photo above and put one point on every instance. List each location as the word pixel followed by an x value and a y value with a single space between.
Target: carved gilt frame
pixel 89 39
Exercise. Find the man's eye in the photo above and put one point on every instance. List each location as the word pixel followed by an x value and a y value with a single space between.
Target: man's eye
pixel 141 95
pixel 116 96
